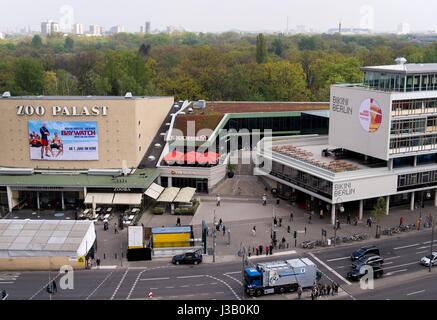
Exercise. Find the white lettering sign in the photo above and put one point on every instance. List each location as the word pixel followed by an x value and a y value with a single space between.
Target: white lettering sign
pixel 28 110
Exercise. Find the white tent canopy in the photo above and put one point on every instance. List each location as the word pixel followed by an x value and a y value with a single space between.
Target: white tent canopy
pixel 133 199
pixel 169 194
pixel 154 191
pixel 99 198
pixel 185 195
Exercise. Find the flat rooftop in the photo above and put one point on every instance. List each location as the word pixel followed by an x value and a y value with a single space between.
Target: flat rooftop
pixel 213 113
pixel 310 150
pixel 408 68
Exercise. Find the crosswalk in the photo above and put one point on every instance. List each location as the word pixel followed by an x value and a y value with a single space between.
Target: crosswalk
pixel 8 277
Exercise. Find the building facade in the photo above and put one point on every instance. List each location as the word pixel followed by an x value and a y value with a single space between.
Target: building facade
pixel 381 143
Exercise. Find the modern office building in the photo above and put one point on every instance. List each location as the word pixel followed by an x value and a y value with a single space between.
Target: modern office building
pixel 148 27
pixel 77 29
pixel 49 27
pixel 382 142
pixel 116 29
pixel 95 30
pixel 95 147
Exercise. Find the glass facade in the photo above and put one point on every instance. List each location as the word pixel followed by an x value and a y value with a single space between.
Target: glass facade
pixel 398 82
pixel 303 179
pixel 417 180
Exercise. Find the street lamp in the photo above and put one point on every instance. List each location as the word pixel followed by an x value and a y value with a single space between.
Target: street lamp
pixel 341 208
pixel 213 237
pixel 432 242
pixel 428 195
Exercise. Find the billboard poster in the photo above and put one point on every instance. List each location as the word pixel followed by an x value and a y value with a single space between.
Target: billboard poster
pixel 63 140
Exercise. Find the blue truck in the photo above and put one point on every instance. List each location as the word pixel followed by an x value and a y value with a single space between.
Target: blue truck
pixel 279 276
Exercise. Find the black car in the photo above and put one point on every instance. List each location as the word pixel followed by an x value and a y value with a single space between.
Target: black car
pixel 369 260
pixel 361 252
pixel 357 274
pixel 187 258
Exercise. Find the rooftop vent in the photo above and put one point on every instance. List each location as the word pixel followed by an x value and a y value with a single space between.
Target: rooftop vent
pixel 6 94
pixel 128 95
pixel 190 110
pixel 401 60
pixel 151 158
pixel 157 145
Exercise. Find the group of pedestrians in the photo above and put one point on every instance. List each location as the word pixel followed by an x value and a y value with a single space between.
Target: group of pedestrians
pixel 324 290
pixel 260 249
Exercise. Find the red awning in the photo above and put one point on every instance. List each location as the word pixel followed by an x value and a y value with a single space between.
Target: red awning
pixel 207 157
pixel 174 156
pixel 190 157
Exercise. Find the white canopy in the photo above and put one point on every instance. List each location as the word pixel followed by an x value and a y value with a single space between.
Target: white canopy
pixel 168 195
pixel 99 198
pixel 154 191
pixel 185 195
pixel 128 198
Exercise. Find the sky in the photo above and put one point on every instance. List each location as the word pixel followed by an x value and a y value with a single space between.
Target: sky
pixel 222 15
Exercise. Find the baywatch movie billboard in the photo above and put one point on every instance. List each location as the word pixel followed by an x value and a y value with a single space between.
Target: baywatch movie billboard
pixel 63 140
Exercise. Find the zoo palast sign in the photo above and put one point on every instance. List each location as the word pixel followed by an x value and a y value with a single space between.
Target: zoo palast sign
pixel 29 110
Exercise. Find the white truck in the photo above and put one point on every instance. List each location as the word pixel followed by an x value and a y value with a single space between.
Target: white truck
pixel 279 276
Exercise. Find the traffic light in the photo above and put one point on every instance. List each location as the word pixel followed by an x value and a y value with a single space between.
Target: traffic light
pixel 3 294
pixel 295 234
pixel 50 288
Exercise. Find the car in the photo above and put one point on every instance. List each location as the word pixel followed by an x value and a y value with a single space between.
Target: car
pixel 187 258
pixel 369 260
pixel 357 274
pixel 363 251
pixel 426 260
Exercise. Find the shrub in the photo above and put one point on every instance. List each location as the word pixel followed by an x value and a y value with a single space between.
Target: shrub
pixel 158 210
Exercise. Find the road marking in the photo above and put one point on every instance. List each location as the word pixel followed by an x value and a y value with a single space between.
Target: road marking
pixel 36 293
pixel 226 284
pixel 413 293
pixel 153 288
pixel 119 284
pixel 138 278
pixel 386 263
pixel 213 283
pixel 337 259
pixel 420 252
pixel 169 287
pixel 187 277
pixel 154 279
pixel 428 242
pixel 409 246
pixel 424 247
pixel 340 267
pixel 199 284
pixel 101 283
pixel 231 277
pixel 105 267
pixel 397 271
pixel 7 282
pixel 402 265
pixel 185 286
pixel 283 253
pixel 329 268
pixel 233 272
pixel 391 258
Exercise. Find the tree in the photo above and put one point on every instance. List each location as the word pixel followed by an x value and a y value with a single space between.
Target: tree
pixel 69 44
pixel 29 76
pixel 379 210
pixel 261 49
pixel 278 47
pixel 36 42
pixel 50 83
pixel 145 50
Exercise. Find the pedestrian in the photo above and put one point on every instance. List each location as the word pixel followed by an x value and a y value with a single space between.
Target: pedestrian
pixel 305 230
pixel 257 251
pixel 98 262
pixel 370 222
pixel 220 221
pixel 312 295
pixel 264 199
pixel 401 221
pixel 271 249
pixel 288 229
pixel 338 224
pixel 218 200
pixel 291 215
pixel 309 218
pixel 283 242
pixel 254 231
pixel 277 201
pixel 275 221
pixel 207 231
pixel 355 221
pixel 280 222
pixel 178 222
pixel 299 292
pixel 321 214
pixel 348 220
pixel 115 228
pixel 260 249
pixel 224 230
pixel 55 288
pixel 267 250
pixel 328 290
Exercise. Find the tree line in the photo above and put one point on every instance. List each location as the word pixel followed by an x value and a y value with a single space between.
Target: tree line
pixel 227 66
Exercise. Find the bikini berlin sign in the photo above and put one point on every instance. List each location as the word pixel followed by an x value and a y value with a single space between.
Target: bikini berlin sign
pixel 63 140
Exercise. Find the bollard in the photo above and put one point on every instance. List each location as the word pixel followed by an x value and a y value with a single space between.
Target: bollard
pixel 115 256
pixel 104 256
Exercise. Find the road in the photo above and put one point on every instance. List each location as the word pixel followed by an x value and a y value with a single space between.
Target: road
pixel 404 278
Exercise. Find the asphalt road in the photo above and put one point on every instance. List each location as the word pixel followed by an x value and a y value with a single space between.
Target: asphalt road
pixel 404 277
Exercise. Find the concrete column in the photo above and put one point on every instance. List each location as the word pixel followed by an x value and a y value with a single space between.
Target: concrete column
pixel 9 195
pixel 159 180
pixel 412 201
pixel 170 181
pixel 435 198
pixel 333 214
pixel 387 205
pixel 38 206
pixel 390 164
pixel 62 200
pixel 415 161
pixel 84 192
pixel 361 210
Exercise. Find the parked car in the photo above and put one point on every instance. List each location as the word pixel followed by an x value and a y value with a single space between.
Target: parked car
pixel 363 251
pixel 429 258
pixel 357 274
pixel 187 258
pixel 369 260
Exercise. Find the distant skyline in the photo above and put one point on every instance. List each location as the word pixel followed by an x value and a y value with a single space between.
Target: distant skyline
pixel 224 15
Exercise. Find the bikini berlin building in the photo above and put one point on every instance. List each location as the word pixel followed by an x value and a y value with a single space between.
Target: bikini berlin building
pixel 59 151
pixel 382 142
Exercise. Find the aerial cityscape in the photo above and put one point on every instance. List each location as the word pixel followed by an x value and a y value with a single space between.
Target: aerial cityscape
pixel 218 166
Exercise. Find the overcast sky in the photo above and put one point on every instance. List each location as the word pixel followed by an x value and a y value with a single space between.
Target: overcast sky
pixel 222 15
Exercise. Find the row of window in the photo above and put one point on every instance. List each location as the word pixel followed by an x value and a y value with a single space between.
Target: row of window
pixel 400 83
pixel 415 106
pixel 413 143
pixel 417 179
pixel 302 179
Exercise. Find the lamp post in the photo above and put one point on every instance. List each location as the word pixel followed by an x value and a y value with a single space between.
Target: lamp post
pixel 244 261
pixel 432 242
pixel 213 237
